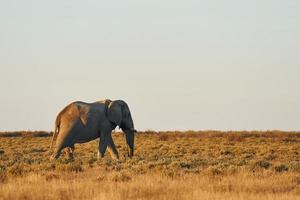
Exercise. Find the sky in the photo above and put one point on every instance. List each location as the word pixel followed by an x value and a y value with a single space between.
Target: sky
pixel 180 65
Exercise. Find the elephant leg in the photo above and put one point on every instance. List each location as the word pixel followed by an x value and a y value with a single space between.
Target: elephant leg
pixel 56 153
pixel 112 148
pixel 130 142
pixel 65 139
pixel 104 139
pixel 70 151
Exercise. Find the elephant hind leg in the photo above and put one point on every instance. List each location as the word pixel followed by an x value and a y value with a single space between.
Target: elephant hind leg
pixel 56 154
pixel 65 139
pixel 58 149
pixel 70 152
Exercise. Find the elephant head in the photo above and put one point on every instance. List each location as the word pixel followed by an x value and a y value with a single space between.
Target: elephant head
pixel 118 113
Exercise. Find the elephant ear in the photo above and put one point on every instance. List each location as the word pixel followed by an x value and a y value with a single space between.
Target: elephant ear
pixel 114 112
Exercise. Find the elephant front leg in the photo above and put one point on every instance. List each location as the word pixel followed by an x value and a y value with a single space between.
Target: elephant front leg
pixel 130 142
pixel 112 149
pixel 102 144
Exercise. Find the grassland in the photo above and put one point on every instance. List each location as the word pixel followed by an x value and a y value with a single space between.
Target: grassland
pixel 167 165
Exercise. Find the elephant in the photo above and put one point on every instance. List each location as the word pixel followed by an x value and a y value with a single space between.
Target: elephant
pixel 81 122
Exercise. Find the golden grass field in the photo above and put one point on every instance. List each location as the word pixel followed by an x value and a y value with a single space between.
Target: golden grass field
pixel 167 165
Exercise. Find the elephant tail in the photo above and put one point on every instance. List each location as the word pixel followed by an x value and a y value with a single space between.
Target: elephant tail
pixel 55 133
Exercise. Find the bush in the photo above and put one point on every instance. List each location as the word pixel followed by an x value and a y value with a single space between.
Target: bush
pixel 263 164
pixel 281 168
pixel 185 164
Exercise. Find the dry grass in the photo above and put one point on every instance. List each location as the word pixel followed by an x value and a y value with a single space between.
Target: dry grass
pixel 166 165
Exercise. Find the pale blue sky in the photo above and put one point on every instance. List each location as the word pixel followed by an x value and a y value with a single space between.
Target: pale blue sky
pixel 227 65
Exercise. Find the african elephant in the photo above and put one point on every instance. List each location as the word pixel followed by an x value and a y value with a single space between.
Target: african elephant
pixel 81 122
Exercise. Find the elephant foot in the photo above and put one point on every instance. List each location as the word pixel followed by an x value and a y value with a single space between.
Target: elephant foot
pixel 70 153
pixel 99 156
pixel 54 156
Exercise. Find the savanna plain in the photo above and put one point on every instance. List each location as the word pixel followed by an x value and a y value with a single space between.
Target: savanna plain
pixel 166 165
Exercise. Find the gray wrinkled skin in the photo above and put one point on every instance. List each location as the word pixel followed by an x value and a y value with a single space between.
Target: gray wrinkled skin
pixel 81 122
